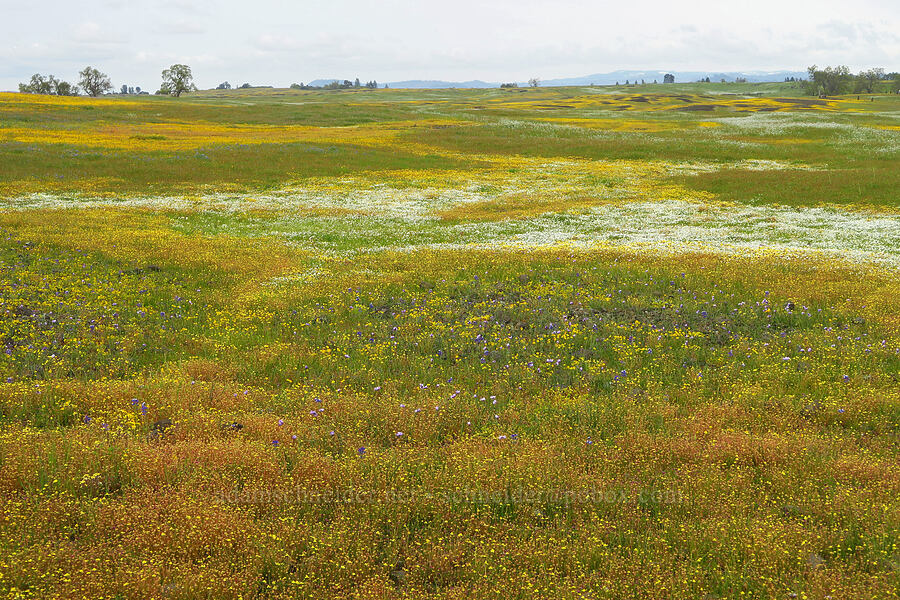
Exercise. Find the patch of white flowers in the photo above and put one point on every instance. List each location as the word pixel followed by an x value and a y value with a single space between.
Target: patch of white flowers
pixel 365 214
pixel 679 225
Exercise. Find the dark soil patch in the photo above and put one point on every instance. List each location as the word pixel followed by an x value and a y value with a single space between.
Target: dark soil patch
pixel 802 101
pixel 698 107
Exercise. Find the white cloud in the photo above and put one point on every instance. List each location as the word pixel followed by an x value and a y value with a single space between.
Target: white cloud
pixel 92 33
pixel 181 27
pixel 274 42
pixel 277 42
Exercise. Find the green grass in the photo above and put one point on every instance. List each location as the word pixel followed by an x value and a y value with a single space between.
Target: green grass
pixel 872 184
pixel 248 166
pixel 259 166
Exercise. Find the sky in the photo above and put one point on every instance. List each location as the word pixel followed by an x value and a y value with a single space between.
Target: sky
pixel 279 42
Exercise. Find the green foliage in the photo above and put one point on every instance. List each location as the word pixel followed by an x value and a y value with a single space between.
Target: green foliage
pixel 867 80
pixel 830 80
pixel 176 80
pixel 93 82
pixel 48 85
pixel 341 85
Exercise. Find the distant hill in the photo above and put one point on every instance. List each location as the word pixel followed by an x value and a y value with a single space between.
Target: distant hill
pixel 419 84
pixel 596 78
pixel 680 77
pixel 324 82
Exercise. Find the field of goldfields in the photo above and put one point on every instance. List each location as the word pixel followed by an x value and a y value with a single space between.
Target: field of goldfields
pixel 593 343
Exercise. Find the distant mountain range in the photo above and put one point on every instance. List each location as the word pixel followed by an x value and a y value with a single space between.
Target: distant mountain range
pixel 598 79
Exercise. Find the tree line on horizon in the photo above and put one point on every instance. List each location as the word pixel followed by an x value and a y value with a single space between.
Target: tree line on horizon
pixel 834 81
pixel 91 81
pixel 178 79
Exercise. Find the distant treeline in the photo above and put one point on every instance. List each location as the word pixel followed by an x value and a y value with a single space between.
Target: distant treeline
pixel 176 80
pixel 834 81
pixel 338 85
pixel 830 81
pixel 92 82
pixel 334 85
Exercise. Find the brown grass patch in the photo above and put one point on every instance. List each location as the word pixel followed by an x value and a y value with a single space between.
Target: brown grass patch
pixel 205 370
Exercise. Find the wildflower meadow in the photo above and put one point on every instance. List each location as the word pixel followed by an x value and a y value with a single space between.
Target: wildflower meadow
pixel 580 343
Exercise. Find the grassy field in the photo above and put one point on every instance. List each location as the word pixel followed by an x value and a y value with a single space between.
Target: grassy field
pixel 566 343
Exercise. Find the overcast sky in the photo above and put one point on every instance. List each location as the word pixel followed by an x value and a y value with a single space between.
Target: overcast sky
pixel 278 42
